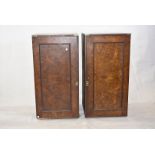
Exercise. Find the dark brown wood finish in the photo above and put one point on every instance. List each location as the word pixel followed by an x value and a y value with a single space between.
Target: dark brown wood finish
pixel 105 74
pixel 56 75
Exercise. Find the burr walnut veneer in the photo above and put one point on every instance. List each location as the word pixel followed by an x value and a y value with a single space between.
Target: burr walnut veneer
pixel 56 75
pixel 105 74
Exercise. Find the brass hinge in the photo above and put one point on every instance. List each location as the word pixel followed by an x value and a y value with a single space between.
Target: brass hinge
pixel 87 83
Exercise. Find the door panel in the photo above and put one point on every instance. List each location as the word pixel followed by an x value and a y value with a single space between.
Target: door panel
pixel 106 75
pixel 56 76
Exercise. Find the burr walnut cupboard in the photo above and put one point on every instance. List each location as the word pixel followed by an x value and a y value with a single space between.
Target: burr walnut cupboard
pixel 56 75
pixel 105 74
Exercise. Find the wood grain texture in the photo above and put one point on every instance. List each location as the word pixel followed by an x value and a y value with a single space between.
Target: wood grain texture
pixel 106 67
pixel 107 76
pixel 56 76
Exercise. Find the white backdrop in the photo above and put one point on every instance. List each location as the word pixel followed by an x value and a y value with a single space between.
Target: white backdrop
pixel 16 61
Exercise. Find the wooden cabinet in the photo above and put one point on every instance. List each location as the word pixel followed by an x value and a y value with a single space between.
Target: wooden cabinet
pixel 56 75
pixel 105 74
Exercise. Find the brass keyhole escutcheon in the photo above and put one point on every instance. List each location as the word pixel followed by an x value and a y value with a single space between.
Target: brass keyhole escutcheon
pixel 87 83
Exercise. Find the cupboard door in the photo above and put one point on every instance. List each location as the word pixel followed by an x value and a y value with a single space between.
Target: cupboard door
pixel 106 75
pixel 56 76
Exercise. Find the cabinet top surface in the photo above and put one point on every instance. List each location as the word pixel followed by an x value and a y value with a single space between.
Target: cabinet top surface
pixel 107 34
pixel 54 35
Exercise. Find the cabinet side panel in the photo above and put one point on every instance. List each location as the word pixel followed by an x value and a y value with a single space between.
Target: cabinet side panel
pixel 37 79
pixel 83 71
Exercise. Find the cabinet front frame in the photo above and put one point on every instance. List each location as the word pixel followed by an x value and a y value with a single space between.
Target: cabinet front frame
pixel 90 40
pixel 72 41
